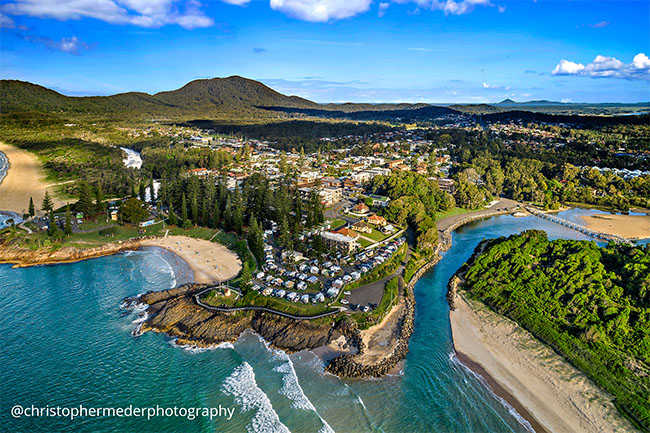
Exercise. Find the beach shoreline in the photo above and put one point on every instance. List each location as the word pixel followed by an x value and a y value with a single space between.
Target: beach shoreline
pixel 202 264
pixel 25 178
pixel 627 226
pixel 211 262
pixel 537 382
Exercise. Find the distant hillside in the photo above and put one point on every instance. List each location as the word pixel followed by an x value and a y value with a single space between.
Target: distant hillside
pixel 240 98
pixel 476 108
pixel 231 91
pixel 232 94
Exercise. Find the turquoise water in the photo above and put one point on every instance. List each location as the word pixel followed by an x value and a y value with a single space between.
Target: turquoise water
pixel 4 166
pixel 67 342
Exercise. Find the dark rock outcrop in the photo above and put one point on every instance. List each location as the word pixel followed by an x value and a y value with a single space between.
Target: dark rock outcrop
pixel 175 313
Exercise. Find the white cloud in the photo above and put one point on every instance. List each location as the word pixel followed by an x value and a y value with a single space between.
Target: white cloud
pixel 71 45
pixel 566 67
pixel 6 22
pixel 143 13
pixel 382 9
pixel 603 67
pixel 600 25
pixel 328 10
pixel 641 61
pixel 452 7
pixel 321 10
pixel 494 86
pixel 188 13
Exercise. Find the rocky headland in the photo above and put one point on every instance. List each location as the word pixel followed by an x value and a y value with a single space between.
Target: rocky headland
pixel 176 313
pixel 23 257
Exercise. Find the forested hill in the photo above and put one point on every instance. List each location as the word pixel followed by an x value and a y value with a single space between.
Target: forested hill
pixel 232 94
pixel 238 97
pixel 234 97
pixel 591 304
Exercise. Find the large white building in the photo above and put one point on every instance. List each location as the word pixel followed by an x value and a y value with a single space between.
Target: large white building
pixel 338 241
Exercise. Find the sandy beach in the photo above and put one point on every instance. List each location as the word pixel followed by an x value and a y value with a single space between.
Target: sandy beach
pixel 210 262
pixel 25 178
pixel 380 340
pixel 628 226
pixel 559 397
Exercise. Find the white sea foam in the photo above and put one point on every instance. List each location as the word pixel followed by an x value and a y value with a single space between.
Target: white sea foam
pixel 242 386
pixel 194 349
pixel 166 267
pixel 291 388
pixel 141 317
pixel 454 359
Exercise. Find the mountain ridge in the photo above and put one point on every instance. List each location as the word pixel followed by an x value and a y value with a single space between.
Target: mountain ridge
pixel 236 96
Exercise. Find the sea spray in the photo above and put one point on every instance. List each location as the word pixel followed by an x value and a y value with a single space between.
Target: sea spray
pixel 241 385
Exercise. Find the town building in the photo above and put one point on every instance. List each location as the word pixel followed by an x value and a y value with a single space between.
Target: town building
pixel 339 242
pixel 446 184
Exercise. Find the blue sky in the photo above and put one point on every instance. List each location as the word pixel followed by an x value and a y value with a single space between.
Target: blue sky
pixel 438 51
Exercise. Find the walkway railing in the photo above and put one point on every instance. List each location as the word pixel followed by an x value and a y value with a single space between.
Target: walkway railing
pixel 582 229
pixel 197 299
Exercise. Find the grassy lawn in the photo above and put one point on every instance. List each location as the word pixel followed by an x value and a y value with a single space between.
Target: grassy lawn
pixel 376 235
pixel 452 212
pixel 92 225
pixel 254 298
pixel 364 243
pixel 95 239
pixel 337 223
pixel 215 299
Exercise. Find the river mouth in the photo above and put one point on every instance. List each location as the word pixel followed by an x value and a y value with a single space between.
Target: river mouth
pixel 73 310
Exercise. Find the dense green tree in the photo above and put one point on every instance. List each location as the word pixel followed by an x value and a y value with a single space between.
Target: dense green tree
pixel 183 208
pixel 31 210
pixel 591 304
pixel 68 224
pixel 133 210
pixel 85 202
pixel 246 278
pixel 47 204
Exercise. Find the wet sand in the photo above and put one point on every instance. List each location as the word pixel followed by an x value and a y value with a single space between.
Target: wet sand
pixel 627 226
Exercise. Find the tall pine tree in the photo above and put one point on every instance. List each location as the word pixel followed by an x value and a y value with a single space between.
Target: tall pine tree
pixel 68 224
pixel 47 204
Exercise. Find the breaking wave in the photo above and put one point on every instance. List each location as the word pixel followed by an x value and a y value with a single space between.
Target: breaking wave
pixel 242 386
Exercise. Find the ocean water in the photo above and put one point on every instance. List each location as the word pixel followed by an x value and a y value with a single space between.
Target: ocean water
pixel 4 166
pixel 67 342
pixel 6 216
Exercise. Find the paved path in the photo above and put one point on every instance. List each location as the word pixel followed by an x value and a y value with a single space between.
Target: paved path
pixel 504 204
pixel 197 299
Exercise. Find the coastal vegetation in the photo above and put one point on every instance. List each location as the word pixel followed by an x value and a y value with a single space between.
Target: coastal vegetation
pixel 591 304
pixel 414 201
